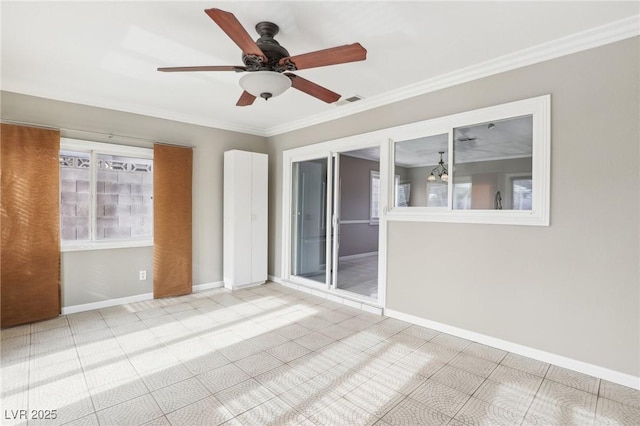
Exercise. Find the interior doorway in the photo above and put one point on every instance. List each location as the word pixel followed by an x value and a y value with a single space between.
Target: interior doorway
pixel 335 232
pixel 357 208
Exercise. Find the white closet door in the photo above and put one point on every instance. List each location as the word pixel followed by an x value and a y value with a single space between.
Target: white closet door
pixel 242 218
pixel 259 225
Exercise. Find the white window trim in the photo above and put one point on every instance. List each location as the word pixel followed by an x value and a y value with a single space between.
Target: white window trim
pixel 66 246
pixel 78 145
pixel 539 108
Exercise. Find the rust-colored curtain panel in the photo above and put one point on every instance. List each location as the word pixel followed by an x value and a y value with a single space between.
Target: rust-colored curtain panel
pixel 30 214
pixel 172 241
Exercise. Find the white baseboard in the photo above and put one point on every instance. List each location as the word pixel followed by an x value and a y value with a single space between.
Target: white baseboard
pixel 106 303
pixel 230 286
pixel 130 299
pixel 548 357
pixel 207 286
pixel 277 280
pixel 359 255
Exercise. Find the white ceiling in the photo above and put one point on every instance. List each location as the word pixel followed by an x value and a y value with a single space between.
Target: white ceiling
pixel 106 53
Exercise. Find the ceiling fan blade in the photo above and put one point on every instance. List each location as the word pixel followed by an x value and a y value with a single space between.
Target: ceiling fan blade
pixel 246 99
pixel 312 89
pixel 335 55
pixel 234 29
pixel 205 68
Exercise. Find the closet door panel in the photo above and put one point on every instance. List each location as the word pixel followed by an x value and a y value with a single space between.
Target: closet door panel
pixel 259 225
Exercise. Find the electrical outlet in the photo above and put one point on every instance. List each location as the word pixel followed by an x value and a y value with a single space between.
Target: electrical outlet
pixel 143 275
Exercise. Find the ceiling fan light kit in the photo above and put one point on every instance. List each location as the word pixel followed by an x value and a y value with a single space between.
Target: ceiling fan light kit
pixel 265 84
pixel 268 63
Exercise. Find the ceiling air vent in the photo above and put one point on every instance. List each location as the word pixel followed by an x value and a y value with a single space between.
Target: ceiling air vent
pixel 351 99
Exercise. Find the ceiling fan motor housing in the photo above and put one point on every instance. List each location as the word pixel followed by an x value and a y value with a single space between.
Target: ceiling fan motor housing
pixel 271 49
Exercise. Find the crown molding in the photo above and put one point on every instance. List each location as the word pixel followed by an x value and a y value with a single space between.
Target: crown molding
pixel 17 87
pixel 584 40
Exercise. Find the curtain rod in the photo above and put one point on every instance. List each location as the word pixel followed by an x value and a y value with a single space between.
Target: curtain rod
pixel 89 132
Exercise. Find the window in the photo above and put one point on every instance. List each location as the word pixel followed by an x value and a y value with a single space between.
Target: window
pixel 484 166
pixel 484 155
pixel 106 195
pixel 401 195
pixel 521 190
pixel 417 164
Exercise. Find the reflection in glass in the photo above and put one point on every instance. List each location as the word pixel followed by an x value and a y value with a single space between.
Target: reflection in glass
pixel 492 165
pixel 420 178
pixel 309 231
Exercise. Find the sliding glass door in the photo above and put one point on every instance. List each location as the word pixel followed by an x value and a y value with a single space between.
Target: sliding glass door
pixel 356 230
pixel 309 220
pixel 334 224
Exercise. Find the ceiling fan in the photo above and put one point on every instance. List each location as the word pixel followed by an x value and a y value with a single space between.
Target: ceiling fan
pixel 268 64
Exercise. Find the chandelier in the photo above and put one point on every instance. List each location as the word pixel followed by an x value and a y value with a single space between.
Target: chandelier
pixel 440 171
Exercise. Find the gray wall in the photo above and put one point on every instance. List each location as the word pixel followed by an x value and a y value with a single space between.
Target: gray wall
pixel 87 275
pixel 355 200
pixel 96 275
pixel 571 288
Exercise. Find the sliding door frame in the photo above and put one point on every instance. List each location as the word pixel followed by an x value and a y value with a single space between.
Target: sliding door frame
pixel 328 150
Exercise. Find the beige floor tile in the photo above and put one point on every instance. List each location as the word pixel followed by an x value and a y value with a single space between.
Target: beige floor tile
pixel 162 377
pixel 117 392
pixel 400 379
pixel 271 413
pixel 559 404
pixel 478 366
pixel 450 341
pixel 222 378
pixel 244 396
pixel 312 364
pixel 281 379
pixel 411 412
pixel 310 397
pixel 288 352
pixel 619 393
pixel 509 398
pixel 525 364
pixel 574 379
pixel 258 363
pixel 314 341
pixel 208 411
pixel 180 394
pixel 132 412
pixel 458 379
pixel 374 397
pixel 90 420
pixel 343 412
pixel 485 352
pixel 612 413
pixel 516 379
pixel 421 332
pixel 440 397
pixel 477 412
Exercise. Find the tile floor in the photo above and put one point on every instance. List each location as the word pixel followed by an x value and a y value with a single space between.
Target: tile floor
pixel 359 275
pixel 273 356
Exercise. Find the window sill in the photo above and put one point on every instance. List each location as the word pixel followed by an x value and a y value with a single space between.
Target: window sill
pixel 495 217
pixel 103 245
